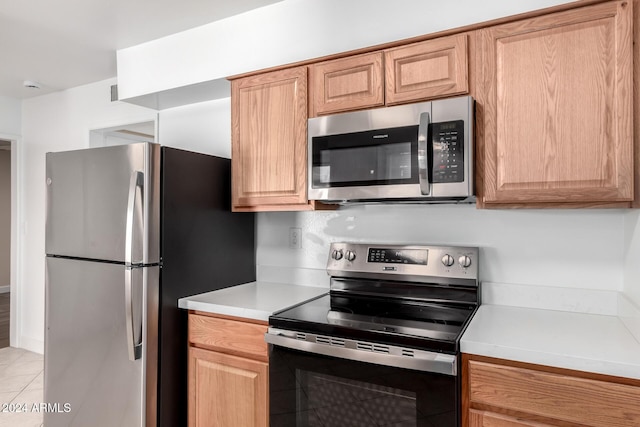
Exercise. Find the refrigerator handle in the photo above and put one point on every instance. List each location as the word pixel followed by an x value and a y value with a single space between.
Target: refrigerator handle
pixel 134 348
pixel 137 180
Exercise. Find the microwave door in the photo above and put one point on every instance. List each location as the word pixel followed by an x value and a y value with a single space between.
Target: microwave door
pixel 423 153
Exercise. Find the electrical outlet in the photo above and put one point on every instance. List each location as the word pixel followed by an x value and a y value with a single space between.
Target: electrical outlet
pixel 295 238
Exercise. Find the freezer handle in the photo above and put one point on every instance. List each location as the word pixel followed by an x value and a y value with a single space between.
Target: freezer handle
pixel 133 346
pixel 137 180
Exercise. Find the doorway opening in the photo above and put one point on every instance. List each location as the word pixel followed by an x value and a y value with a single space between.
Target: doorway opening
pixel 5 242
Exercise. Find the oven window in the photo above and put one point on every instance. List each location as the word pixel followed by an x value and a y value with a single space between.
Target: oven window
pixel 387 156
pixel 314 390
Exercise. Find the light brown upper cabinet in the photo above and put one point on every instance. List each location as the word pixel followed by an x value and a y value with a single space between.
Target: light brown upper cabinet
pixel 347 84
pixel 425 70
pixel 556 93
pixel 411 73
pixel 269 141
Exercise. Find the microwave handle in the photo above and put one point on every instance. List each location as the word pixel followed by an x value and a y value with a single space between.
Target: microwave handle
pixel 423 161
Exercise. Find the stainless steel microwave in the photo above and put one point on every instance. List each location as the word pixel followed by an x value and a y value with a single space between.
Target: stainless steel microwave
pixel 416 152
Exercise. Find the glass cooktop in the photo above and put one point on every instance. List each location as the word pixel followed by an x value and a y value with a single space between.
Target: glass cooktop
pixel 418 324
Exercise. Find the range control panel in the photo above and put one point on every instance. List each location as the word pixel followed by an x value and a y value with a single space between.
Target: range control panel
pixel 398 256
pixel 413 261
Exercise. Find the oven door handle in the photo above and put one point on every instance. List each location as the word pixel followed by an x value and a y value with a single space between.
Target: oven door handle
pixel 381 354
pixel 423 154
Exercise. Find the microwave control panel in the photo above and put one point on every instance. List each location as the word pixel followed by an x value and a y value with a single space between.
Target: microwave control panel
pixel 448 151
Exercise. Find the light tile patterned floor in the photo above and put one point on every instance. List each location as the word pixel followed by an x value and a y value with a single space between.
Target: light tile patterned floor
pixel 21 386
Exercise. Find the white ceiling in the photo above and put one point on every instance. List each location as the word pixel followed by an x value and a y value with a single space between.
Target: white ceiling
pixel 67 43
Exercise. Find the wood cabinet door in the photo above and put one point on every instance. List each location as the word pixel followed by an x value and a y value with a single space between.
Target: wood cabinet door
pixel 489 419
pixel 346 84
pixel 269 139
pixel 557 100
pixel 425 70
pixel 553 396
pixel 239 338
pixel 227 391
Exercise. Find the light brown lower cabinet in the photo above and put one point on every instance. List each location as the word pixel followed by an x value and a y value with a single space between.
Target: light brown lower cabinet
pixel 501 393
pixel 228 372
pixel 489 419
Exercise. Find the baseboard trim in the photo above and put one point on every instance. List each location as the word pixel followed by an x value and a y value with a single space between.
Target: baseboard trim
pixel 5 289
pixel 31 344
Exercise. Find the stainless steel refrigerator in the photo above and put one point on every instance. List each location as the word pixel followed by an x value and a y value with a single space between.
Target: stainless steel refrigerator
pixel 130 229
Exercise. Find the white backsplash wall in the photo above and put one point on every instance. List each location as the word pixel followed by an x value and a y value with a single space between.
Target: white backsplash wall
pixel 632 255
pixel 630 301
pixel 566 248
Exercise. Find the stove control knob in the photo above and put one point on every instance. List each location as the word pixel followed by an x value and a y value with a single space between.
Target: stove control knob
pixel 447 260
pixel 337 254
pixel 464 261
pixel 350 255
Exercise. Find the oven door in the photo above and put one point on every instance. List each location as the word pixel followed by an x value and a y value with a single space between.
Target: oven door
pixel 372 154
pixel 309 389
pixel 367 164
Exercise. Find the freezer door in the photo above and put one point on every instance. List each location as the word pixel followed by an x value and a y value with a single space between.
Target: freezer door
pixel 103 203
pixel 88 371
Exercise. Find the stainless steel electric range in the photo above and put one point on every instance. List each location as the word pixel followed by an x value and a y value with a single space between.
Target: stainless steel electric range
pixel 382 347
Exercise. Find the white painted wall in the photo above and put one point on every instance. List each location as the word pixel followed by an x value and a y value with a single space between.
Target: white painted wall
pixel 10 116
pixel 55 122
pixel 632 256
pixel 203 127
pixel 290 31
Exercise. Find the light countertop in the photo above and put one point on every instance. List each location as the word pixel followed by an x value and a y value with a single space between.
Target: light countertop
pixel 586 342
pixel 255 300
pixel 597 343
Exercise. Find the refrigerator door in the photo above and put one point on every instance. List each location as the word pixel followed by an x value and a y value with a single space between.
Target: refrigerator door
pixel 103 203
pixel 88 371
pixel 204 247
